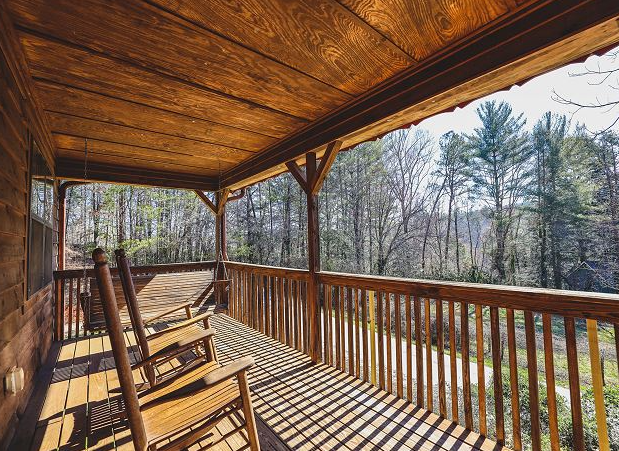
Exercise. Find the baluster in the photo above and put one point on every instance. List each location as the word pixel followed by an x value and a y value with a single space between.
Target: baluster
pixel 351 350
pixel 254 302
pixel 513 378
pixel 78 307
pixel 497 377
pixel 418 352
pixel 453 361
pixel 281 302
pixel 380 318
pixel 440 351
pixel 389 342
pixel 529 326
pixel 342 330
pixel 260 303
pixel 398 346
pixel 306 319
pixel 409 349
pixel 329 303
pixel 290 321
pixel 325 323
pixel 364 336
pixel 246 299
pixel 297 316
pixel 550 381
pixel 231 305
pixel 357 337
pixel 57 310
pixel 598 388
pixel 372 339
pixel 466 365
pixel 578 438
pixel 429 365
pixel 481 376
pixel 338 352
pixel 267 305
pixel 274 306
pixel 70 332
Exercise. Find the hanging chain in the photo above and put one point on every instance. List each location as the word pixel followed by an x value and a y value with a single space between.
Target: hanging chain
pixel 84 217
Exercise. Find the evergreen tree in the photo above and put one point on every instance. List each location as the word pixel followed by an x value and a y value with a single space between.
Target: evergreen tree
pixel 500 169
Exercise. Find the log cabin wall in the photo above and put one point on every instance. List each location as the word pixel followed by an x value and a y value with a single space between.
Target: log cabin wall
pixel 25 323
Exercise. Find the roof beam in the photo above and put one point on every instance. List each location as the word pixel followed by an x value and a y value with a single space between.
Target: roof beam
pixel 326 162
pixel 99 172
pixel 529 30
pixel 311 181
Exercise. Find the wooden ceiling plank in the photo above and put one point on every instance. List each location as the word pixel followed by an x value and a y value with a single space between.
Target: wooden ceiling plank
pixel 100 172
pixel 89 105
pixel 140 33
pixel 119 149
pixel 137 162
pixel 80 129
pixel 272 130
pixel 87 70
pixel 422 28
pixel 85 127
pixel 528 32
pixel 317 37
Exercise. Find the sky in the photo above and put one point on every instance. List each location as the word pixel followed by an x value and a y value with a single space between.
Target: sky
pixel 534 98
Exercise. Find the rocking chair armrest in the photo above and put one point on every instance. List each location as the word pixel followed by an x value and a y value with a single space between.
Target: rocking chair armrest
pixel 210 380
pixel 164 353
pixel 228 371
pixel 185 323
pixel 185 305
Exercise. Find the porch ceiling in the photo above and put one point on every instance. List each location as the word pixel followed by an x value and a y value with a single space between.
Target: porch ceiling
pixel 177 92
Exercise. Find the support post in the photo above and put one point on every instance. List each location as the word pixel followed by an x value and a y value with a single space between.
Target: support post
pixel 311 183
pixel 218 207
pixel 313 263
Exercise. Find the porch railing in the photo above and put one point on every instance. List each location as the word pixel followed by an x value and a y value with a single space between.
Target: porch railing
pixel 271 300
pixel 502 361
pixel 69 284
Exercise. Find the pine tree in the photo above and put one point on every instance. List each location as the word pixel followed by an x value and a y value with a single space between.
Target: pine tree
pixel 500 170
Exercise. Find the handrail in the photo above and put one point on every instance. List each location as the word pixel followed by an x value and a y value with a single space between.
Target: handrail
pixel 69 285
pixel 578 304
pixel 293 273
pixel 147 269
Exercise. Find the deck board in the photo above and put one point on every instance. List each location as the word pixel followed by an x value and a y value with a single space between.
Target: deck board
pixel 298 405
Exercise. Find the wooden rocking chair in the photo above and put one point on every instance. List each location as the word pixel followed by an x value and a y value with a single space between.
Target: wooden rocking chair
pixel 180 411
pixel 167 344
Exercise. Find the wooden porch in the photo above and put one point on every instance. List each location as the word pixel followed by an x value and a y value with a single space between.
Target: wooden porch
pixel 299 405
pixel 195 95
pixel 426 378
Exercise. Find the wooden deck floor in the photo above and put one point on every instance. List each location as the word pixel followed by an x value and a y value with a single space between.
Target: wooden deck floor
pixel 298 405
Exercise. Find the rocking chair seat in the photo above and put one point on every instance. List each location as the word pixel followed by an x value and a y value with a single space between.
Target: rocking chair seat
pixel 185 402
pixel 176 339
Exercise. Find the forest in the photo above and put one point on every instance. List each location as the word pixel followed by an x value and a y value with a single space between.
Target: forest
pixel 506 202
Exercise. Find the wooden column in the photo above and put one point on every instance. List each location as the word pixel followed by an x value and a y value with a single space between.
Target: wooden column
pixel 313 260
pixel 218 207
pixel 311 182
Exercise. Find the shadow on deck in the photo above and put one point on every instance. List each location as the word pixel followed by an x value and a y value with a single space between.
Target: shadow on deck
pixel 298 405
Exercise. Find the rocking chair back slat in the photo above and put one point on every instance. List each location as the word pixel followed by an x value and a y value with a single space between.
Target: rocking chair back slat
pixel 119 350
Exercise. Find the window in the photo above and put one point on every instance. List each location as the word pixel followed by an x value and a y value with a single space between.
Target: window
pixel 41 231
